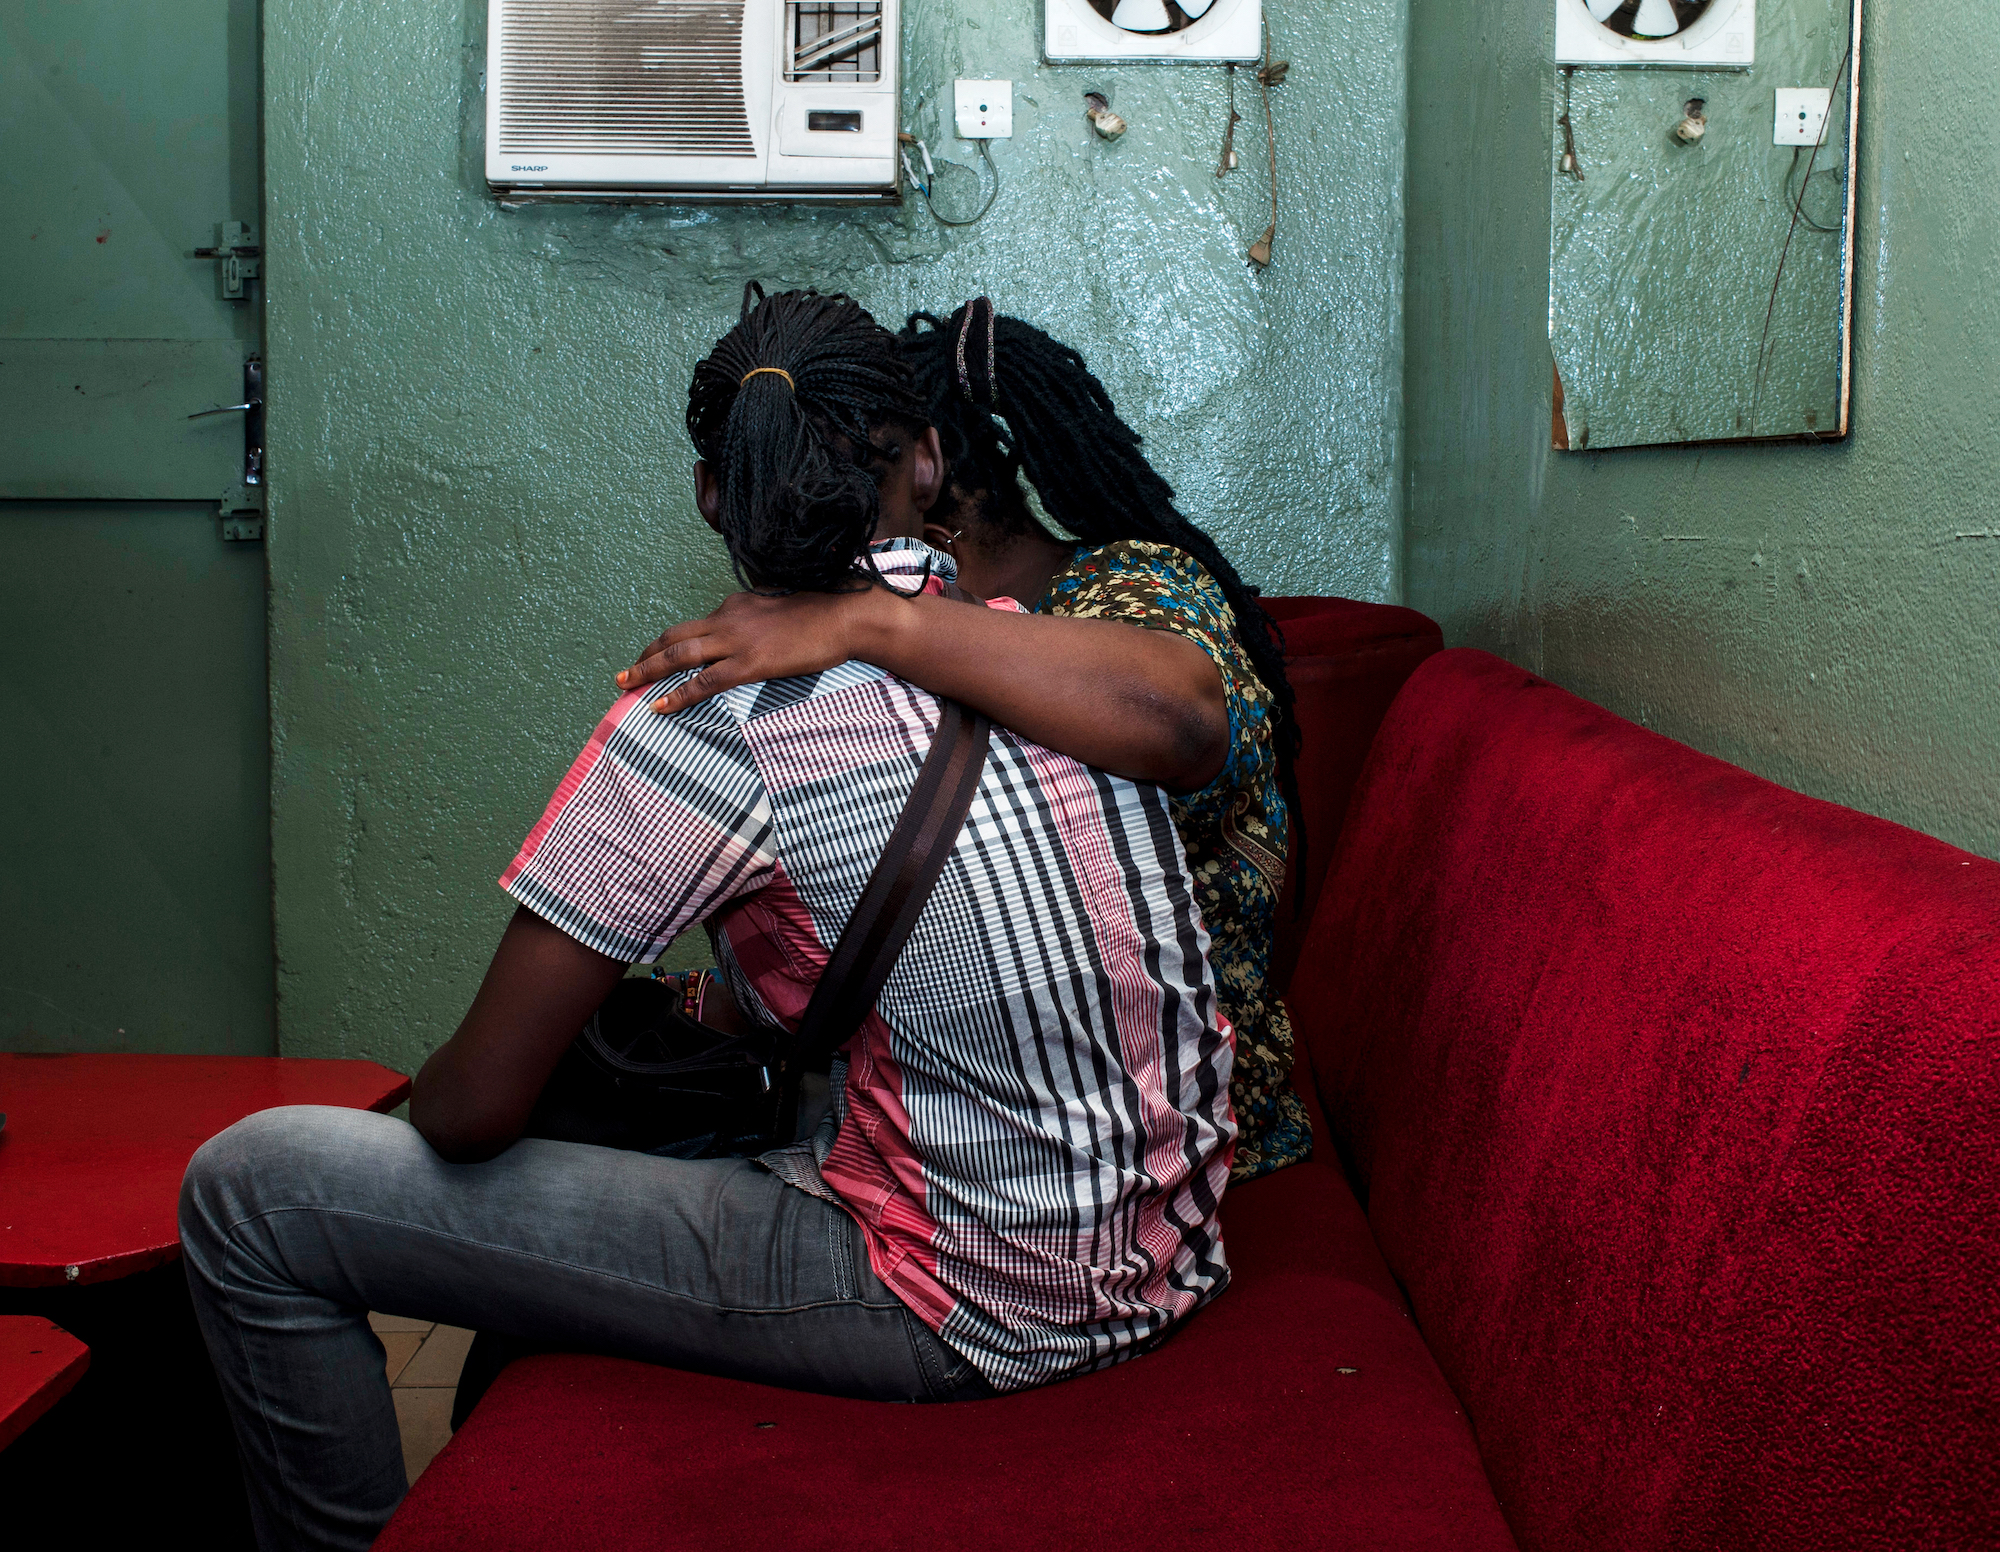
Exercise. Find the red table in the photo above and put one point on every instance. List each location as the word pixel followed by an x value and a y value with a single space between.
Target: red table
pixel 39 1363
pixel 90 1175
pixel 95 1147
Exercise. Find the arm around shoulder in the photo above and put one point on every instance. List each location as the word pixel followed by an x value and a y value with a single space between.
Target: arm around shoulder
pixel 1145 704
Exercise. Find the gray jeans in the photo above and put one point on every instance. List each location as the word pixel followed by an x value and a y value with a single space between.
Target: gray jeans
pixel 297 1222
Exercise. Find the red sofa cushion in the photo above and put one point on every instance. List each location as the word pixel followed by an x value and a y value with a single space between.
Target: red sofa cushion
pixel 1346 660
pixel 1243 1430
pixel 1672 1096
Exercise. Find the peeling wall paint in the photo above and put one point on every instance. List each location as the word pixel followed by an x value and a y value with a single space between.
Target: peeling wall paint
pixel 478 498
pixel 1824 615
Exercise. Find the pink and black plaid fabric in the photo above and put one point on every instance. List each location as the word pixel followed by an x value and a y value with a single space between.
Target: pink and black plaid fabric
pixel 1033 1126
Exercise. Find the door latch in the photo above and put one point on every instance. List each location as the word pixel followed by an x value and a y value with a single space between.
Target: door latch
pixel 237 257
pixel 242 505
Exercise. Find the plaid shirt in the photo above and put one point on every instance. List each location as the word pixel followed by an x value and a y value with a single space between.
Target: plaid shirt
pixel 1033 1126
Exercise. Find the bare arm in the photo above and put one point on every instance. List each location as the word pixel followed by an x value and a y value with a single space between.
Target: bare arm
pixel 1139 703
pixel 475 1093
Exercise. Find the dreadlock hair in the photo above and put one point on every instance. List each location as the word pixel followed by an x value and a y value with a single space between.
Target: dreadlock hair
pixel 782 407
pixel 1008 400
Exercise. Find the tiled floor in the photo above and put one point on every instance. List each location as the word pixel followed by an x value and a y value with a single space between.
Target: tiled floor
pixel 424 1361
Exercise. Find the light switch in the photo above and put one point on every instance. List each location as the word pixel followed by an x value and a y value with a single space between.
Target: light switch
pixel 985 109
pixel 1801 116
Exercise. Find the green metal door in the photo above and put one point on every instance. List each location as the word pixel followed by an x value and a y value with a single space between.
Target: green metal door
pixel 135 871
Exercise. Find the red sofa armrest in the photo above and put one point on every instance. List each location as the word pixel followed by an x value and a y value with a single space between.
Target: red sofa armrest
pixel 1346 660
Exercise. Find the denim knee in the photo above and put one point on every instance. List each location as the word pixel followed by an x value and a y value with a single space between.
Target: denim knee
pixel 259 1163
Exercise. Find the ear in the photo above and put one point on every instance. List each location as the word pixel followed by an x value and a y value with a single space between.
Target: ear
pixel 708 493
pixel 927 472
pixel 941 536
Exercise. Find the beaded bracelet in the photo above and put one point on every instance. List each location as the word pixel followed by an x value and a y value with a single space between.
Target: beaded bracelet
pixel 693 987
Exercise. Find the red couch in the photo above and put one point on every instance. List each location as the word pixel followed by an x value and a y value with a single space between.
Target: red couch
pixel 1669 1095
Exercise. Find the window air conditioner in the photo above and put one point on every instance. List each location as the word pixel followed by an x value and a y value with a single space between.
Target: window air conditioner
pixel 692 100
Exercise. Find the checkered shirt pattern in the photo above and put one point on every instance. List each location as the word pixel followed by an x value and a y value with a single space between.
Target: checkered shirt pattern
pixel 1032 1127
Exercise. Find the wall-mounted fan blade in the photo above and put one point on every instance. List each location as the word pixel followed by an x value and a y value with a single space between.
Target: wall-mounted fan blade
pixel 1196 9
pixel 1685 34
pixel 1656 19
pixel 1141 16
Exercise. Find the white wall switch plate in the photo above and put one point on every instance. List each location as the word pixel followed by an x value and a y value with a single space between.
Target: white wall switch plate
pixel 1801 116
pixel 985 109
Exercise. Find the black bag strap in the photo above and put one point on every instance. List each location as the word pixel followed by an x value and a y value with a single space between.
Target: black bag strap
pixel 893 898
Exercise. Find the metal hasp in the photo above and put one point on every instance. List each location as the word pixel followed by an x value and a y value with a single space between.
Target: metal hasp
pixel 238 258
pixel 242 509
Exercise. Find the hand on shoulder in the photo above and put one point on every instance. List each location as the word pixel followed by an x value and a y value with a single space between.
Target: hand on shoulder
pixel 750 638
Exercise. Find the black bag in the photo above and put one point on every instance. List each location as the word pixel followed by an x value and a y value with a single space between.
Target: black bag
pixel 645 1076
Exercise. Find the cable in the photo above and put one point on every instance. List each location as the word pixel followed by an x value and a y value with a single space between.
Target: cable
pixel 1829 172
pixel 1269 74
pixel 925 189
pixel 930 172
pixel 1570 165
pixel 1798 214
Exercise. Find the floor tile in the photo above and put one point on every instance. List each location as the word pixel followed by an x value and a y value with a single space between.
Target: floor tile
pixel 383 1323
pixel 438 1361
pixel 424 1419
pixel 400 1347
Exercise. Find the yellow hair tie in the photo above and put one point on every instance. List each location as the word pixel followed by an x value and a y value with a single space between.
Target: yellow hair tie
pixel 778 370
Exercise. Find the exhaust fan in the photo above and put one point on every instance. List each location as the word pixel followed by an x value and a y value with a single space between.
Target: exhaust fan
pixel 1117 31
pixel 1706 34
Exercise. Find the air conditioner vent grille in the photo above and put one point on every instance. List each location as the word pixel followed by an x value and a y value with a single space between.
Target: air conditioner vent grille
pixel 833 40
pixel 623 78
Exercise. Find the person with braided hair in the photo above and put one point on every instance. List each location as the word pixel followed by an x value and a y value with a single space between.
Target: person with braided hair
pixel 1195 699
pixel 1018 1174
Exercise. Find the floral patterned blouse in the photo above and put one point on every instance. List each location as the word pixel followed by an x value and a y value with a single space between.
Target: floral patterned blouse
pixel 1234 829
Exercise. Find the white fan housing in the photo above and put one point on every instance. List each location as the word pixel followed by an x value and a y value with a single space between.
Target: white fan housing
pixel 1723 37
pixel 1226 31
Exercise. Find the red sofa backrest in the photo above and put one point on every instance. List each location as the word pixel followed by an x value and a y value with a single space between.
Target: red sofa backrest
pixel 1672 1098
pixel 1346 660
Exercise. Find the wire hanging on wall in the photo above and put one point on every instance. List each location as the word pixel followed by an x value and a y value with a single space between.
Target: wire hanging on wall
pixel 1570 165
pixel 1269 74
pixel 1798 214
pixel 925 184
pixel 1792 173
pixel 1226 163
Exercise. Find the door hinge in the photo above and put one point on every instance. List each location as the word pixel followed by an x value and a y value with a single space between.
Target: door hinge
pixel 237 257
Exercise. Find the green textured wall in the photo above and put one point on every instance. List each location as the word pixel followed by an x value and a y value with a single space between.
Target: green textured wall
pixel 1824 615
pixel 478 499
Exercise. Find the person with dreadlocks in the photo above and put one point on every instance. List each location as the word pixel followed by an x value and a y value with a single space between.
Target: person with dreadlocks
pixel 1196 699
pixel 1019 1174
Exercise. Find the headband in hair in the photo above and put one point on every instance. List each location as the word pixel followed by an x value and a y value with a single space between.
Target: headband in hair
pixel 975 338
pixel 776 370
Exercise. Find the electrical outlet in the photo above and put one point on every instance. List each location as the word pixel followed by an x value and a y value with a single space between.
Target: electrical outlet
pixel 1801 115
pixel 985 109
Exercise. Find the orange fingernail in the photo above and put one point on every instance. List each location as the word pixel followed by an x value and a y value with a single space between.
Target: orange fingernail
pixel 624 674
pixel 660 705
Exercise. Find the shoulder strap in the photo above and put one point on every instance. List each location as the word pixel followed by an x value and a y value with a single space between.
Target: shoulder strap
pixel 893 898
